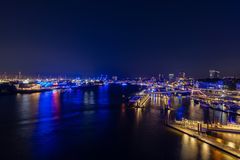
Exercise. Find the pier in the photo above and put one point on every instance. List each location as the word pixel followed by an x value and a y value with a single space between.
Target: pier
pixel 140 101
pixel 204 138
pixel 204 127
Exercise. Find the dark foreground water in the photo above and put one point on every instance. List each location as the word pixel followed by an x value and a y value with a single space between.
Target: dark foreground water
pixel 92 123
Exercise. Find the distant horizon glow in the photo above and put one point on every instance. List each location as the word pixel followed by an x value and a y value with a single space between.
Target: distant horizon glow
pixel 126 38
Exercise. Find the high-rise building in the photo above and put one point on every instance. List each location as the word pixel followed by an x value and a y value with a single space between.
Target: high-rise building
pixel 160 77
pixel 171 76
pixel 238 86
pixel 153 79
pixel 5 75
pixel 181 75
pixel 114 78
pixel 19 75
pixel 214 74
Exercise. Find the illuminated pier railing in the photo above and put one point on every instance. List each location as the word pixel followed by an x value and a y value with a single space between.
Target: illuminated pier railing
pixel 204 127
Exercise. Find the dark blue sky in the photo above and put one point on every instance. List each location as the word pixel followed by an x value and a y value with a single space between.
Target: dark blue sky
pixel 120 37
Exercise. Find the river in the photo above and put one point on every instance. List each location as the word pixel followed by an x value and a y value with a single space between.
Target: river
pixel 94 123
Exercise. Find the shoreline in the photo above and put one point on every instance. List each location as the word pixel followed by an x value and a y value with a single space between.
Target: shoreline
pixel 229 150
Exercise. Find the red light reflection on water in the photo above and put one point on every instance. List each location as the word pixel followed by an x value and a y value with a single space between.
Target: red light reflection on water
pixel 56 103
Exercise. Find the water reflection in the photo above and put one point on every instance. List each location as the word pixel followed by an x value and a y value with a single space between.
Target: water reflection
pixel 205 151
pixel 195 112
pixel 56 103
pixel 72 97
pixel 103 95
pixel 74 122
pixel 191 148
pixel 189 142
pixel 123 108
pixel 186 108
pixel 138 115
pixel 158 102
pixel 28 106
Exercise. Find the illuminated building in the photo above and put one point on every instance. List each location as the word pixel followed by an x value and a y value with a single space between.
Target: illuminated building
pixel 114 78
pixel 19 75
pixel 171 77
pixel 161 77
pixel 238 86
pixel 182 75
pixel 153 79
pixel 214 74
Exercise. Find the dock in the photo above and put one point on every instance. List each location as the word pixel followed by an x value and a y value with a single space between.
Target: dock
pixel 140 101
pixel 204 138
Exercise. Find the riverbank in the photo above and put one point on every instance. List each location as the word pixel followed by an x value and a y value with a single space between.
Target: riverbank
pixel 207 140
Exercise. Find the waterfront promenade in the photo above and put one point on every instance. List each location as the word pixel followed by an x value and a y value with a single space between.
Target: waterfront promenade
pixel 204 138
pixel 200 130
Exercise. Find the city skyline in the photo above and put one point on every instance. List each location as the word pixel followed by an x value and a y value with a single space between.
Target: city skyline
pixel 124 38
pixel 105 79
pixel 211 74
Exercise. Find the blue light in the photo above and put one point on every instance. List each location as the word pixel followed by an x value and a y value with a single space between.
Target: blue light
pixel 45 84
pixel 124 84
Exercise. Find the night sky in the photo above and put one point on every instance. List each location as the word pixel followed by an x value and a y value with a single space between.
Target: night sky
pixel 127 38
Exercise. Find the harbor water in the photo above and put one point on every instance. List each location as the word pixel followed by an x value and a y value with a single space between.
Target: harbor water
pixel 97 123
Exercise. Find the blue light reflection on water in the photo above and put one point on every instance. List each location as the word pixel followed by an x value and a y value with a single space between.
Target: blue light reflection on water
pixel 180 113
pixel 185 108
pixel 66 127
pixel 46 105
pixel 74 97
pixel 103 95
pixel 45 141
pixel 89 122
